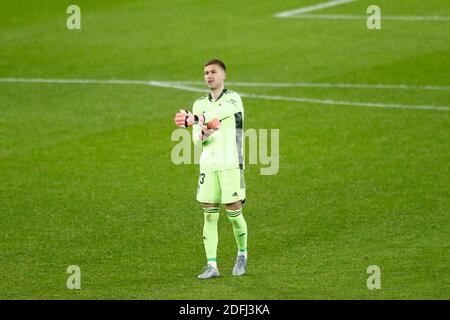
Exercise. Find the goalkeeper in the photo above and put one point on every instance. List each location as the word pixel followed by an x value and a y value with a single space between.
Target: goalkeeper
pixel 217 124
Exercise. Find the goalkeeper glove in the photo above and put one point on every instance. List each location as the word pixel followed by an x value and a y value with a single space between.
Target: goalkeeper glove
pixel 185 118
pixel 209 129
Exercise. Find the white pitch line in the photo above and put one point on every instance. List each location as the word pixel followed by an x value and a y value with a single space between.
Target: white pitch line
pixel 235 83
pixel 332 3
pixel 323 85
pixel 359 17
pixel 299 13
pixel 162 84
pixel 347 103
pixel 68 81
pixel 165 84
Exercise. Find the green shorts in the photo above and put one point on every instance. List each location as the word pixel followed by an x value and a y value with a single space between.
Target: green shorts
pixel 225 186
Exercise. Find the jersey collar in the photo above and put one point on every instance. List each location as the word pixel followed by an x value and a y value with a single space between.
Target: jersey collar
pixel 220 96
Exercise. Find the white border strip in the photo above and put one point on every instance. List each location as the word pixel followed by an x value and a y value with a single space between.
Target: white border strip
pixel 320 6
pixel 171 85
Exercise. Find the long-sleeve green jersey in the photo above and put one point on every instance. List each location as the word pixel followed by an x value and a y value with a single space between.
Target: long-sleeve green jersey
pixel 222 150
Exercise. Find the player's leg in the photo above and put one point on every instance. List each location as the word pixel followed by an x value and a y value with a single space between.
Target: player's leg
pixel 233 195
pixel 210 233
pixel 236 217
pixel 208 194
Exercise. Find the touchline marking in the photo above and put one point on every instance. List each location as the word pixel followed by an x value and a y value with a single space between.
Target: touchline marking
pixel 323 85
pixel 172 85
pixel 320 6
pixel 359 17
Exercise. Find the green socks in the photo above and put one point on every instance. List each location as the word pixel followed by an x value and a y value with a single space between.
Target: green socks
pixel 239 228
pixel 210 234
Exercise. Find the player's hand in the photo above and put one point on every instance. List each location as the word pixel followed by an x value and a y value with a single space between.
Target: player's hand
pixel 182 117
pixel 213 124
pixel 210 128
pixel 185 118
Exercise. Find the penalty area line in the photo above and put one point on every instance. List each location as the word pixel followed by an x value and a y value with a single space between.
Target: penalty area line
pixel 359 17
pixel 303 13
pixel 315 7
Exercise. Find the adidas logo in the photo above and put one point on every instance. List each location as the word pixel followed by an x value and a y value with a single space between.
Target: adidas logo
pixel 235 194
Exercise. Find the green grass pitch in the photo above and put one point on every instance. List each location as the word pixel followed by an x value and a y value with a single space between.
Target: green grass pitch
pixel 86 171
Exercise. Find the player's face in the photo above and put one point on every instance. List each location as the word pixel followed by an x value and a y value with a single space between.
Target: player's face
pixel 214 76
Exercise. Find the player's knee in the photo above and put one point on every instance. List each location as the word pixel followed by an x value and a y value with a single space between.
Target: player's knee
pixel 211 214
pixel 234 206
pixel 235 215
pixel 206 205
pixel 211 217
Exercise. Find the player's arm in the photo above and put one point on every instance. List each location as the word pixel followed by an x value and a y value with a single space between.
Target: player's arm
pixel 207 130
pixel 196 128
pixel 196 134
pixel 200 132
pixel 228 109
